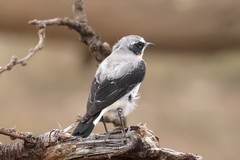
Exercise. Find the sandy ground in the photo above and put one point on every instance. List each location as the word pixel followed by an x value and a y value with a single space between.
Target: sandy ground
pixel 190 100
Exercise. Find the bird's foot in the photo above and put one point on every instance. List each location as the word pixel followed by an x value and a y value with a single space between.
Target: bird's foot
pixel 107 136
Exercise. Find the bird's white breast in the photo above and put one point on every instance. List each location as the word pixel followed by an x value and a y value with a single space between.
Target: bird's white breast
pixel 127 106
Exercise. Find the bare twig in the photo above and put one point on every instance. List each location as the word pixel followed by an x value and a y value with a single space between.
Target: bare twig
pixel 79 11
pixel 100 50
pixel 23 61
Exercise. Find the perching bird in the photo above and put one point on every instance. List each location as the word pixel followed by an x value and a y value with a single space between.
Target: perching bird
pixel 115 86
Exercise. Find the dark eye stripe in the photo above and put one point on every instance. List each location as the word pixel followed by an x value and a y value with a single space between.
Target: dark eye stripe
pixel 139 45
pixel 136 47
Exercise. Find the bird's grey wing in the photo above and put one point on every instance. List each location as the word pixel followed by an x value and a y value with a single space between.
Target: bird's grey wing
pixel 110 90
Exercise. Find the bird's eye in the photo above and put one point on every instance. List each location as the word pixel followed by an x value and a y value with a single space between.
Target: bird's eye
pixel 139 45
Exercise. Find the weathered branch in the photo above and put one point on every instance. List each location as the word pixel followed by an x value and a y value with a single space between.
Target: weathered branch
pixel 100 50
pixel 27 137
pixel 57 144
pixel 21 150
pixel 23 61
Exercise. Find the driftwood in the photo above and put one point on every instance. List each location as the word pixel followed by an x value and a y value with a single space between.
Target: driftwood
pixel 59 144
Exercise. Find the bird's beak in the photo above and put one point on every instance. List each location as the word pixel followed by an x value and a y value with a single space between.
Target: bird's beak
pixel 149 44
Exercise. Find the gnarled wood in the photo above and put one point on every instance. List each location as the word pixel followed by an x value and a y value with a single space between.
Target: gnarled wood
pixel 57 144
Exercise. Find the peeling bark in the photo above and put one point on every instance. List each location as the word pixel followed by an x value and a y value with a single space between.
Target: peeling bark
pixel 57 144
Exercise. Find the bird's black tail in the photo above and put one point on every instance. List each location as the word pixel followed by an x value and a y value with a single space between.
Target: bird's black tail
pixel 83 129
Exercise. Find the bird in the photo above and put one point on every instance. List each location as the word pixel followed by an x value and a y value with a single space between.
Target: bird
pixel 114 89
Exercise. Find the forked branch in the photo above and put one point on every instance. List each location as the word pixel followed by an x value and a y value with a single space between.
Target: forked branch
pixel 100 50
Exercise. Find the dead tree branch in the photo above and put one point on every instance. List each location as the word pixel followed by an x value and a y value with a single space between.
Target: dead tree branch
pixel 100 50
pixel 57 144
pixel 23 61
pixel 27 137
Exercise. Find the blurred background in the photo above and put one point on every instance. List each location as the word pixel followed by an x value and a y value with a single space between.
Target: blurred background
pixel 191 94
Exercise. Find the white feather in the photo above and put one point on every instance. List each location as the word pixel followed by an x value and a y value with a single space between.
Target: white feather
pixel 124 103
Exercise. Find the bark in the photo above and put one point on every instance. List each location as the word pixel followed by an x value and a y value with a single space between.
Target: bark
pixel 141 143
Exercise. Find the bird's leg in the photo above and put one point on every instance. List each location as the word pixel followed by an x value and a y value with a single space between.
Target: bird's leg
pixel 120 114
pixel 105 127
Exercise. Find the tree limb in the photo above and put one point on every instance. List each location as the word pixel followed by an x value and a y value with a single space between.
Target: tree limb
pixel 58 144
pixel 23 61
pixel 100 50
pixel 27 137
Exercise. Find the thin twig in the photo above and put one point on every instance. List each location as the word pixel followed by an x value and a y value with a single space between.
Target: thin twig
pixel 100 50
pixel 23 61
pixel 79 11
pixel 67 129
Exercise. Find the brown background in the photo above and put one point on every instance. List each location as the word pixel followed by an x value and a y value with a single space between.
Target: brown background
pixel 190 97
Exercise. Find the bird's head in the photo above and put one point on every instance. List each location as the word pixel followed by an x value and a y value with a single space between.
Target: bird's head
pixel 133 43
